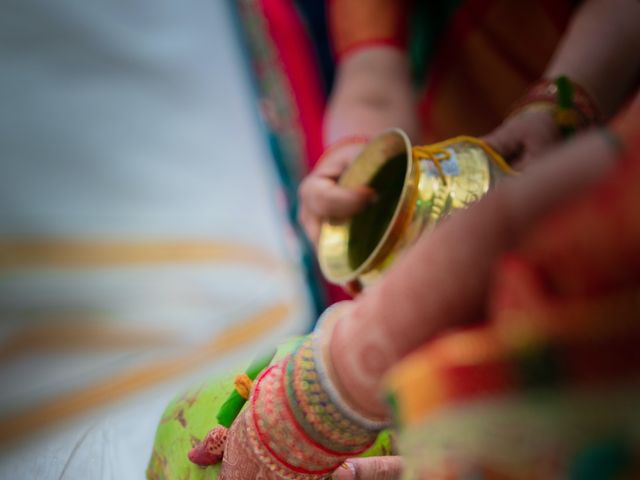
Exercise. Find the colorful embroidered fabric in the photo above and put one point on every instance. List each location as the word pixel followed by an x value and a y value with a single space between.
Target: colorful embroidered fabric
pixel 549 387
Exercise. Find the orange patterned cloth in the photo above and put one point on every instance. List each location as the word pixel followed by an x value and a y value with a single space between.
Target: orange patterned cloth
pixel 549 386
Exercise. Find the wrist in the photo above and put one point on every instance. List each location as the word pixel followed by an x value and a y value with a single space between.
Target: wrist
pixel 372 66
pixel 359 401
pixel 569 104
pixel 357 360
pixel 294 425
pixel 371 45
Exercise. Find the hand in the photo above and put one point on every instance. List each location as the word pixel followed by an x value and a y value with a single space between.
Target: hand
pixel 524 135
pixel 372 468
pixel 321 198
pixel 372 93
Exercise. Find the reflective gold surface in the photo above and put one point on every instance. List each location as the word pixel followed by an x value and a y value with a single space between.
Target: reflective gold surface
pixel 413 194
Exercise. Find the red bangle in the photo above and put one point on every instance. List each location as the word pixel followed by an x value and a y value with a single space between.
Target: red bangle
pixel 265 442
pixel 546 91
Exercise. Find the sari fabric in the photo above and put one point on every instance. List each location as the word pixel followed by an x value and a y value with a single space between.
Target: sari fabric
pixel 548 387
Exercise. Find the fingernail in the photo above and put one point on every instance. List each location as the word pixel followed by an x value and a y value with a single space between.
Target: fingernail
pixel 346 471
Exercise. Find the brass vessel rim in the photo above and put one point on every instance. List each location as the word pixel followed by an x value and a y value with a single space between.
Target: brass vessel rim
pixel 398 220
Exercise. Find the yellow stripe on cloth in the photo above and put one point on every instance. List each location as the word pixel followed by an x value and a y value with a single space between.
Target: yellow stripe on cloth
pixel 29 253
pixel 81 400
pixel 78 336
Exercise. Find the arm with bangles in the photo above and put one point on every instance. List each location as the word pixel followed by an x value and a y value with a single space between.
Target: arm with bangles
pixel 599 54
pixel 410 306
pixel 323 404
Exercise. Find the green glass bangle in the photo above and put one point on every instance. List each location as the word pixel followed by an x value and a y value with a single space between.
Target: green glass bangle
pixel 564 99
pixel 230 409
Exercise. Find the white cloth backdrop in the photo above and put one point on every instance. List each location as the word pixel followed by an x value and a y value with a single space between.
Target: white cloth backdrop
pixel 128 126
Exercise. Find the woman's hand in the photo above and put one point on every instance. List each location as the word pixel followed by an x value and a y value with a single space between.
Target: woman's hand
pixel 321 198
pixel 372 468
pixel 372 93
pixel 524 135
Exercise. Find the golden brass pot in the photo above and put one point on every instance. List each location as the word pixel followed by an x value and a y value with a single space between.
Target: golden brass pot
pixel 416 187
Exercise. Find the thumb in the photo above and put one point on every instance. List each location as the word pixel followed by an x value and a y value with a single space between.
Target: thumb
pixel 326 199
pixel 372 468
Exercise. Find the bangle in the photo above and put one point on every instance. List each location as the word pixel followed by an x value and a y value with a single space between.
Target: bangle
pixel 569 103
pixel 293 427
pixel 320 342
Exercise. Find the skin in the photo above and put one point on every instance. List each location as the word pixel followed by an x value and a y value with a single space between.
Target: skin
pixel 374 468
pixel 373 93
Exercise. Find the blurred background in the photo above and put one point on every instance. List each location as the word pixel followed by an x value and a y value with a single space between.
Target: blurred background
pixel 150 152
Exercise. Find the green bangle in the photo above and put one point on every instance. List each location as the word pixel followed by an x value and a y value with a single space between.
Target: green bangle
pixel 230 409
pixel 566 107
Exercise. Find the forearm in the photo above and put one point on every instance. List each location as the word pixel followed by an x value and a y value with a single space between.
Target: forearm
pixel 600 51
pixel 443 280
pixel 372 93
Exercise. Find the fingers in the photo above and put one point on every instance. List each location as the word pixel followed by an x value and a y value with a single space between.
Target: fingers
pixel 324 198
pixel 372 468
pixel 311 225
pixel 321 198
pixel 334 162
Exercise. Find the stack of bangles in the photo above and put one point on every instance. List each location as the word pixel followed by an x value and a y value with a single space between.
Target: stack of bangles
pixel 570 104
pixel 299 425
